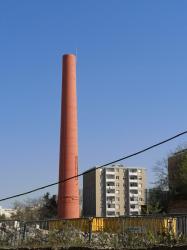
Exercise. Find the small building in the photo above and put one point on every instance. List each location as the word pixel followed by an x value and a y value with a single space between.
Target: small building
pixel 7 212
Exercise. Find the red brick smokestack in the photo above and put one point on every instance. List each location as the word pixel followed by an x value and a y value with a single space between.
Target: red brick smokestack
pixel 68 194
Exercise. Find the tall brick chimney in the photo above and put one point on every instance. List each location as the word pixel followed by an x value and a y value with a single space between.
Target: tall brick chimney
pixel 68 194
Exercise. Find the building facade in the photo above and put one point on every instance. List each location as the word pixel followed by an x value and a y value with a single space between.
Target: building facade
pixel 7 212
pixel 113 191
pixel 177 170
pixel 135 190
pixel 177 178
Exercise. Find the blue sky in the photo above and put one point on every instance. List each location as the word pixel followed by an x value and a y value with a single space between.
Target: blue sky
pixel 131 84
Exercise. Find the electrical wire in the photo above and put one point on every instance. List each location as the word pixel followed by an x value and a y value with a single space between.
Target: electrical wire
pixel 98 167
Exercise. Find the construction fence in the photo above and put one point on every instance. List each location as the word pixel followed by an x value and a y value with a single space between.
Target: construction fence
pixel 87 230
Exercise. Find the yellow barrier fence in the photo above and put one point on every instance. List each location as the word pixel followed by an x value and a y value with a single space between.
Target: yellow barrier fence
pixel 154 225
pixel 81 224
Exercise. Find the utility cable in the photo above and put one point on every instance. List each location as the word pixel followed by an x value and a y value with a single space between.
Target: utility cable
pixel 98 167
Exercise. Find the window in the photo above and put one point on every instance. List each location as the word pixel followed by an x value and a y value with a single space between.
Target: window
pixel 111 206
pixel 110 184
pixel 134 206
pixel 110 169
pixel 140 178
pixel 133 184
pixel 140 185
pixel 139 170
pixel 134 191
pixel 110 200
pixel 133 199
pixel 133 177
pixel 117 177
pixel 117 184
pixel 110 176
pixel 134 213
pixel 111 213
pixel 133 170
pixel 117 198
pixel 110 191
pixel 117 191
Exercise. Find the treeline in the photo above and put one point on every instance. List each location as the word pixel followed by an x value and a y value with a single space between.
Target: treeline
pixel 168 187
pixel 36 209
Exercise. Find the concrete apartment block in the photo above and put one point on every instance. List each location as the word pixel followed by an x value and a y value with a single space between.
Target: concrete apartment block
pixel 136 179
pixel 113 191
pixel 92 193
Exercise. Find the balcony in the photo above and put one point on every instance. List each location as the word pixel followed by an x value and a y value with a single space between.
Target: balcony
pixel 110 209
pixel 133 180
pixel 133 188
pixel 110 182
pixel 109 203
pixel 133 171
pixel 134 209
pixel 110 171
pixel 133 195
pixel 110 199
pixel 110 194
pixel 133 202
pixel 110 177
pixel 110 187
pixel 110 213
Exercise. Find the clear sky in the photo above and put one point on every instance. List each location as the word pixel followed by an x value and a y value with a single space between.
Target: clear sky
pixel 131 83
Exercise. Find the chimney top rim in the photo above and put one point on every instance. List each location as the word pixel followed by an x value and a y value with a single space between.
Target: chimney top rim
pixel 71 54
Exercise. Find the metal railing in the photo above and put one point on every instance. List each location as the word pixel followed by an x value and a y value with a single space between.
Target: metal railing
pixel 181 224
pixel 123 231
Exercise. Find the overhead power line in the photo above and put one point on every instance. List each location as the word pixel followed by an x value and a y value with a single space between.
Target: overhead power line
pixel 101 166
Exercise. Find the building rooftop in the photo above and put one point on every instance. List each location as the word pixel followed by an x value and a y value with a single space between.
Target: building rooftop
pixel 114 166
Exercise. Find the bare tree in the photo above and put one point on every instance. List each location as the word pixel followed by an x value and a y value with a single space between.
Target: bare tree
pixel 36 209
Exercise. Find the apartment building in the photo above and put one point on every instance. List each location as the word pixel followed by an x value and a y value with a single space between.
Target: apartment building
pixel 113 191
pixel 135 190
